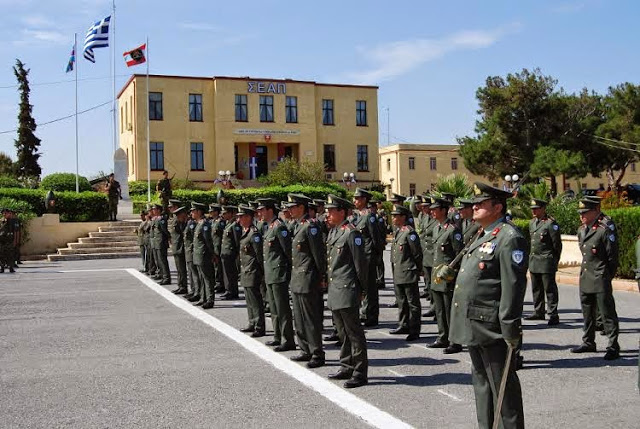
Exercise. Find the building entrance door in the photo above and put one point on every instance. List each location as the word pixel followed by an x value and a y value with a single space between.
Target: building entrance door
pixel 262 161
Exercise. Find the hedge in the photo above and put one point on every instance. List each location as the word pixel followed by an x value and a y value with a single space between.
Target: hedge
pixel 59 182
pixel 10 182
pixel 72 206
pixel 627 223
pixel 238 196
pixel 24 212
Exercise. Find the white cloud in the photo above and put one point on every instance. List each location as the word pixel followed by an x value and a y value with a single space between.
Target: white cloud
pixel 34 36
pixel 198 26
pixel 36 21
pixel 397 58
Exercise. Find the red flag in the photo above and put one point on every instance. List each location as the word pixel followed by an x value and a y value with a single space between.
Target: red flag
pixel 135 56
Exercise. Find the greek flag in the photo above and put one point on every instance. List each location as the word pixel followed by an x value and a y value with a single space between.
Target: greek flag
pixel 97 37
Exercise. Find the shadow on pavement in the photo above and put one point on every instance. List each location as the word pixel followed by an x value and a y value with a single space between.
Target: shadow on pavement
pixel 424 380
pixel 594 361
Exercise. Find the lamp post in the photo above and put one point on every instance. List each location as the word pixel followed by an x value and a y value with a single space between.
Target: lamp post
pixel 391 179
pixel 510 182
pixel 348 179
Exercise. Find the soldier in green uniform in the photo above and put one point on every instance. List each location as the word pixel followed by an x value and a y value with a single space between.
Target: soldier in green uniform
pixel 150 262
pixel 115 195
pixel 406 264
pixel 163 187
pixel 308 271
pixel 251 270
pixel 229 252
pixel 217 229
pixel 469 226
pixel 203 256
pixel 447 243
pixel 6 242
pixel 599 247
pixel 426 223
pixel 346 272
pixel 160 244
pixel 383 228
pixel 192 271
pixel 277 273
pixel 546 247
pixel 366 222
pixel 487 306
pixel 176 225
pixel 140 236
pixel 397 199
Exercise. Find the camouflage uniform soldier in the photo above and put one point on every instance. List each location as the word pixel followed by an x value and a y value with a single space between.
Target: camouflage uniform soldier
pixel 115 195
pixel 163 187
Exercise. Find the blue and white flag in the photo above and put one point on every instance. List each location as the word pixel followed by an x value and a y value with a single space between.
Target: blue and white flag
pixel 72 60
pixel 97 37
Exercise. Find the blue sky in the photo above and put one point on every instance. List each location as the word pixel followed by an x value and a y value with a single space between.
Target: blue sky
pixel 428 57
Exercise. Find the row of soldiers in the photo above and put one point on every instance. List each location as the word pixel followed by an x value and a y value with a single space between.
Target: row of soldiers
pixel 10 237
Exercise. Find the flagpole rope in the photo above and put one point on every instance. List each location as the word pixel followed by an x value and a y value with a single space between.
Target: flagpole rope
pixel 62 118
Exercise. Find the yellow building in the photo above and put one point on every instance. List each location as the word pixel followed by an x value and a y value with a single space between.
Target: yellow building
pixel 201 125
pixel 411 169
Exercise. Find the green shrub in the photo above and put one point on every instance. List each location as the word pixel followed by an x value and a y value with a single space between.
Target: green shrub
pixel 64 182
pixel 627 223
pixel 72 206
pixel 139 187
pixel 565 212
pixel 523 226
pixel 10 182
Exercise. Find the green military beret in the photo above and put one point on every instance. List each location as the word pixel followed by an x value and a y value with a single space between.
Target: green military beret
pixel 297 199
pixel 198 206
pixel 245 210
pixel 538 203
pixel 361 193
pixel 267 203
pixel 483 192
pixel 399 209
pixel 437 203
pixel 335 202
pixel 397 198
pixel 214 207
pixel 586 205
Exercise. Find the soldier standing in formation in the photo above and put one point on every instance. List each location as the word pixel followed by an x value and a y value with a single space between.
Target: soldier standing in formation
pixel 251 270
pixel 347 273
pixel 277 273
pixel 447 243
pixel 406 264
pixel 487 306
pixel 217 227
pixel 546 247
pixel 599 248
pixel 229 252
pixel 192 271
pixel 308 270
pixel 176 225
pixel 469 226
pixel 160 244
pixel 114 194
pixel 425 226
pixel 140 234
pixel 150 267
pixel 203 256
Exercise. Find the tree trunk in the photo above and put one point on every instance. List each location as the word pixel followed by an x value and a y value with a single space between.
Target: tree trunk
pixel 554 186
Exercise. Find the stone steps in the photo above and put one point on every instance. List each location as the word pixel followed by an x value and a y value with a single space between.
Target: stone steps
pixel 98 250
pixel 111 239
pixel 100 244
pixel 88 256
pixel 127 228
pixel 112 234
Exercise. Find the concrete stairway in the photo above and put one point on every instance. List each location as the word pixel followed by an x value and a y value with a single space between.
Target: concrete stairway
pixel 115 240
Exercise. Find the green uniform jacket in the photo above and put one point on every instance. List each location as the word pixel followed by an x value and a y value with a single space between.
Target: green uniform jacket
pixel 599 247
pixel 231 240
pixel 308 251
pixel 469 230
pixel 346 267
pixel 146 230
pixel 202 243
pixel 160 233
pixel 277 252
pixel 176 229
pixel 251 262
pixel 365 222
pixel 188 236
pixel 447 243
pixel 406 256
pixel 489 290
pixel 164 187
pixel 426 239
pixel 217 231
pixel 546 245
pixel 140 233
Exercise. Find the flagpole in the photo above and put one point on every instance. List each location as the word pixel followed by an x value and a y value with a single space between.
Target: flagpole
pixel 75 54
pixel 113 73
pixel 148 137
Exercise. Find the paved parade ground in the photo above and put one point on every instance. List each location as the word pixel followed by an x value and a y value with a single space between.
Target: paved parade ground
pixel 95 344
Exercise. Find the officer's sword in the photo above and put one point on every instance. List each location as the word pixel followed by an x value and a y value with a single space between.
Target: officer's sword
pixel 503 386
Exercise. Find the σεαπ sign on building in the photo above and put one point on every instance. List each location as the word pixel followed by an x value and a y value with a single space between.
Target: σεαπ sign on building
pixel 245 131
pixel 267 87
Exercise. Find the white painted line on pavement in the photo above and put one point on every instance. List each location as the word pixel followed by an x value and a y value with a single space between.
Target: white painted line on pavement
pixel 347 401
pixel 397 374
pixel 454 397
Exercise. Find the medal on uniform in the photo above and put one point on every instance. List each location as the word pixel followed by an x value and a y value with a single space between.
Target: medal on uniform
pixel 481 265
pixel 594 250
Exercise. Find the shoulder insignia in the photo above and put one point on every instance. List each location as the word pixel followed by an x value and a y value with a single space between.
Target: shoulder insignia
pixel 237 228
pixel 284 233
pixel 517 256
pixel 458 237
pixel 495 231
pixel 612 238
pixel 358 241
pixel 413 237
pixel 192 226
pixel 313 230
pixel 411 220
pixel 612 227
pixel 372 219
pixel 256 238
pixel 555 227
pixel 381 220
pixel 206 228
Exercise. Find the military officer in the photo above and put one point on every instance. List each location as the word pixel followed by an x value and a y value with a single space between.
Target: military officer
pixel 192 270
pixel 150 262
pixel 163 187
pixel 308 272
pixel 140 236
pixel 160 244
pixel 487 306
pixel 447 243
pixel 229 254
pixel 115 195
pixel 262 226
pixel 426 224
pixel 6 242
pixel 366 222
pixel 176 225
pixel 251 270
pixel 546 247
pixel 599 247
pixel 406 263
pixel 469 226
pixel 397 199
pixel 203 256
pixel 217 229
pixel 346 272
pixel 383 228
pixel 277 273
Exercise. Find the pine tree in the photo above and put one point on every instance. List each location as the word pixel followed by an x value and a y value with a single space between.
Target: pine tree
pixel 27 143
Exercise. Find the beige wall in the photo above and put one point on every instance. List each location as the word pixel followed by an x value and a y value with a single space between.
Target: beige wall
pixel 47 233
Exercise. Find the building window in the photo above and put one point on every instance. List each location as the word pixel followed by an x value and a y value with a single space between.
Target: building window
pixel 432 163
pixel 363 158
pixel 291 110
pixel 266 108
pixel 583 186
pixel 195 107
pixel 412 189
pixel 330 157
pixel 157 156
pixel 197 156
pixel 241 109
pixel 361 113
pixel 412 163
pixel 633 167
pixel 454 163
pixel 155 106
pixel 327 112
pixel 388 164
